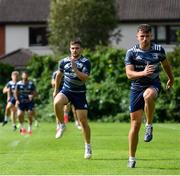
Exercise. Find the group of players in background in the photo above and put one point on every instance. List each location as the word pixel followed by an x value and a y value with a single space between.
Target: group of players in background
pixel 142 65
pixel 20 99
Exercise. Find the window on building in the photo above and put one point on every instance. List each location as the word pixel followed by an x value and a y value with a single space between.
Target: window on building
pixel 38 36
pixel 173 30
pixel 161 33
pixel 165 34
pixel 153 33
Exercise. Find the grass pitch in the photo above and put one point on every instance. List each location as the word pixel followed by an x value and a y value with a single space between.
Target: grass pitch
pixel 41 153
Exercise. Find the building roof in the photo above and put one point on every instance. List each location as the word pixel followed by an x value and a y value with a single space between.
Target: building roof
pixel 148 10
pixel 37 11
pixel 18 58
pixel 24 11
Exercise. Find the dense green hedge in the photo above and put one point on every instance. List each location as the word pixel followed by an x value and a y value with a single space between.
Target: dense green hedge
pixel 40 69
pixel 107 87
pixel 5 76
pixel 168 106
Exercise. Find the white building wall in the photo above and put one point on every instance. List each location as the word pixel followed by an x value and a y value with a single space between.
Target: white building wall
pixel 41 50
pixel 128 36
pixel 16 37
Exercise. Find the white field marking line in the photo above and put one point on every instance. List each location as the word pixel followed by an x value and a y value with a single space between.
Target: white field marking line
pixel 19 158
pixel 103 175
pixel 168 127
pixel 14 143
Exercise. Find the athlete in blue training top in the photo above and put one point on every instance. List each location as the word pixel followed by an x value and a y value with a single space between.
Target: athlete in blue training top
pixel 142 68
pixel 24 94
pixel 76 70
pixel 67 107
pixel 10 107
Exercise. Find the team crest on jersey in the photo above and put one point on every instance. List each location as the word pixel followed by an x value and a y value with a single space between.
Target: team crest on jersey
pixel 79 65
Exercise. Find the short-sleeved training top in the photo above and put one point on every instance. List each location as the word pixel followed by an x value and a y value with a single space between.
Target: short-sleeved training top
pixel 139 59
pixel 25 89
pixel 71 82
pixel 11 85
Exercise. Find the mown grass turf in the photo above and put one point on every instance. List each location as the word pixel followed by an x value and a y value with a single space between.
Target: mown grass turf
pixel 41 153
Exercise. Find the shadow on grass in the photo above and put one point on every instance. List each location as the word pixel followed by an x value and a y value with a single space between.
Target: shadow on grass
pixel 146 159
pixel 160 167
pixel 109 159
pixel 160 159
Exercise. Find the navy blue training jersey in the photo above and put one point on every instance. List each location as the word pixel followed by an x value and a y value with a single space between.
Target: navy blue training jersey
pixel 25 89
pixel 11 85
pixel 139 59
pixel 71 82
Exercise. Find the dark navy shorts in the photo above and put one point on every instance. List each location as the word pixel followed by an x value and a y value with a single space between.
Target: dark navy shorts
pixel 12 100
pixel 77 99
pixel 26 106
pixel 137 99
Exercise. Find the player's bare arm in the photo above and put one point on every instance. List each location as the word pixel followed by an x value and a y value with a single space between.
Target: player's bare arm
pixel 132 74
pixel 32 95
pixel 167 69
pixel 6 90
pixel 58 78
pixel 53 83
pixel 16 93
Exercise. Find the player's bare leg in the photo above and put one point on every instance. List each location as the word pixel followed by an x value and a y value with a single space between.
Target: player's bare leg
pixel 20 115
pixel 7 113
pixel 82 116
pixel 30 117
pixel 150 95
pixel 134 135
pixel 59 101
pixel 13 117
pixel 77 122
pixel 66 113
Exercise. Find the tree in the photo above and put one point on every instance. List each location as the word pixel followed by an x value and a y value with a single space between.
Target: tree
pixel 90 20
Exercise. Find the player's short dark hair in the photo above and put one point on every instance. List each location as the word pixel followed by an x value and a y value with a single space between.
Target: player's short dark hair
pixel 144 28
pixel 25 72
pixel 76 41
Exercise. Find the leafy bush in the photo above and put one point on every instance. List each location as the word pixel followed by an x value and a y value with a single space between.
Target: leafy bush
pixel 5 76
pixel 107 88
pixel 41 69
pixel 168 105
